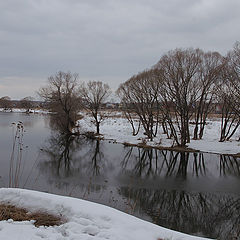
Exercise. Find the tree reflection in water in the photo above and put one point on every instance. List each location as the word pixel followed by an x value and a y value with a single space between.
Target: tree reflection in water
pixel 205 214
pixel 150 162
pixel 66 156
pixel 97 158
pixel 214 215
pixel 60 153
pixel 165 163
pixel 229 165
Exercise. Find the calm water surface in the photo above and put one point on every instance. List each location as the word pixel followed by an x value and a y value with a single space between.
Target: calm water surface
pixel 194 193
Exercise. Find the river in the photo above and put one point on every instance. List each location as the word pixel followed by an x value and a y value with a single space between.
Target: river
pixel 195 193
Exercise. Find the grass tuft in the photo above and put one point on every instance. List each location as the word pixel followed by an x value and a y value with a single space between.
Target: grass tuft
pixel 21 214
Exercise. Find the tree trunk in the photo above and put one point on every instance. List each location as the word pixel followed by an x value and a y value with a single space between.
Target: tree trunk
pixel 98 127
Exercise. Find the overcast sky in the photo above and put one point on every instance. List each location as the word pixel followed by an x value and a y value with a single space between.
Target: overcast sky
pixel 106 40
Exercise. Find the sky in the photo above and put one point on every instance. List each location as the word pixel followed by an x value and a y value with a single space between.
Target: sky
pixel 104 40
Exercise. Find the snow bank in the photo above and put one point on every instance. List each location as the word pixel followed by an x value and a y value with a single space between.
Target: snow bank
pixel 23 110
pixel 117 128
pixel 85 220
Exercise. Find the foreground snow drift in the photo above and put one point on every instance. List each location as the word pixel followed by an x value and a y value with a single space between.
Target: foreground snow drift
pixel 85 220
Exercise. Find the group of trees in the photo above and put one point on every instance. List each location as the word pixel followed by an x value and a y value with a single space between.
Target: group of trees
pixel 7 103
pixel 65 97
pixel 182 89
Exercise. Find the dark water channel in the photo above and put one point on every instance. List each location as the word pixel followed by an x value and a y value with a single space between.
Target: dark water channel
pixel 196 193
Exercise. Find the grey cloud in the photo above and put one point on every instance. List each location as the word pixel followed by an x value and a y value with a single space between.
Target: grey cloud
pixel 107 39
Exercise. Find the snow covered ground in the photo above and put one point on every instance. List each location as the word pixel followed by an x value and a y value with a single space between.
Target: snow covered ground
pixel 23 110
pixel 84 220
pixel 117 128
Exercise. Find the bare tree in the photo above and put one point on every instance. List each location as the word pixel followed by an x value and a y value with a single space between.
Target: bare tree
pixel 180 90
pixel 228 91
pixel 62 98
pixel 210 71
pixel 140 96
pixel 124 93
pixel 233 75
pixel 94 95
pixel 229 104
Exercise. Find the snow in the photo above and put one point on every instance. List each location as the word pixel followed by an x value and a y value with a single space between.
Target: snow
pixel 84 220
pixel 23 110
pixel 210 141
pixel 117 128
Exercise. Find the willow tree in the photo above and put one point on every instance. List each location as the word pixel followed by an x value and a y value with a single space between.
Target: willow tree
pixel 63 99
pixel 140 97
pixel 209 74
pixel 180 90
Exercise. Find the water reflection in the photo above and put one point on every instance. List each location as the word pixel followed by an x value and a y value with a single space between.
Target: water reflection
pixel 214 215
pixel 97 157
pixel 199 164
pixel 202 214
pixel 167 163
pixel 136 180
pixel 68 155
pixel 229 165
pixel 59 152
pixel 29 120
pixel 145 162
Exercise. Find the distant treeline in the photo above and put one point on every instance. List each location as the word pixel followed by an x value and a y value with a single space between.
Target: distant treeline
pixel 28 102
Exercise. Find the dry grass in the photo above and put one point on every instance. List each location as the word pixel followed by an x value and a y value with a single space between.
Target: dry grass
pixel 21 214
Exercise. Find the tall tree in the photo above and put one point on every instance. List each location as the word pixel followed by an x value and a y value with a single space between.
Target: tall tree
pixel 180 90
pixel 63 98
pixel 228 93
pixel 210 72
pixel 94 94
pixel 233 74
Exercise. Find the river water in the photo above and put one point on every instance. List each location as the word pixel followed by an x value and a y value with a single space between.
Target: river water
pixel 195 193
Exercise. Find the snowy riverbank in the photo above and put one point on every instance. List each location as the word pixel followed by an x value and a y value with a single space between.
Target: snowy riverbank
pixel 23 110
pixel 117 128
pixel 85 220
